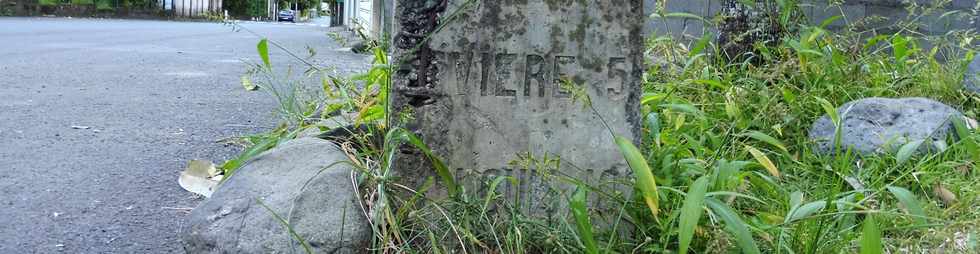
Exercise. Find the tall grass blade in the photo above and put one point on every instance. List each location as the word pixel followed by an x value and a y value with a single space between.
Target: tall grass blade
pixel 735 225
pixel 804 211
pixel 289 228
pixel 582 222
pixel 764 161
pixel 871 237
pixel 263 48
pixel 641 170
pixel 691 212
pixel 912 205
pixel 768 140
pixel 440 167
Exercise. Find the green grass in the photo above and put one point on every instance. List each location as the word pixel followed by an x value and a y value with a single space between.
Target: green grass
pixel 48 2
pixel 725 164
pixel 104 5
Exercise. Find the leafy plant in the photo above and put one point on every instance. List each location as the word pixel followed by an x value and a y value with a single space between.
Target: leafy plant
pixel 710 125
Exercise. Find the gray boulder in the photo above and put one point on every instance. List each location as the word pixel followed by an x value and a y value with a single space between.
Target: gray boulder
pixel 306 182
pixel 972 81
pixel 875 125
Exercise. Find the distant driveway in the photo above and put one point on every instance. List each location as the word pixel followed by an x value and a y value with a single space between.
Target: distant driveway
pixel 98 117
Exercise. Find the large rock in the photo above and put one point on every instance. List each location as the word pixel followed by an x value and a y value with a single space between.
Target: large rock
pixel 306 182
pixel 972 81
pixel 875 125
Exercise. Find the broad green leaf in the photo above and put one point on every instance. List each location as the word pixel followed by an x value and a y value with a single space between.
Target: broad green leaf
pixel 764 161
pixel 905 153
pixel 711 82
pixel 871 237
pixel 266 143
pixel 804 211
pixel 796 199
pixel 735 225
pixel 873 41
pixel 767 139
pixel 701 45
pixel 830 110
pixel 788 95
pixel 653 122
pixel 900 48
pixel 828 21
pixel 685 108
pixel 960 125
pixel 911 204
pixel 263 48
pixel 582 222
pixel 641 170
pixel 691 212
pixel 965 135
pixel 971 242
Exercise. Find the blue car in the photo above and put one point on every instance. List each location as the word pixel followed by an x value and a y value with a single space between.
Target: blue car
pixel 287 15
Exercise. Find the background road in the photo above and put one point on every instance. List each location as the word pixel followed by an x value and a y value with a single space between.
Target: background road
pixel 152 94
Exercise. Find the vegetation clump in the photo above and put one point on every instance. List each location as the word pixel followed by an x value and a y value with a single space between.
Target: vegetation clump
pixel 725 164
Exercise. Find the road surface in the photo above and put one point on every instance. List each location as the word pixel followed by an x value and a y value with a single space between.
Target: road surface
pixel 98 117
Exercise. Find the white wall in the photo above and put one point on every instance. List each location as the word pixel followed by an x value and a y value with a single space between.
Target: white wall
pixel 366 13
pixel 191 8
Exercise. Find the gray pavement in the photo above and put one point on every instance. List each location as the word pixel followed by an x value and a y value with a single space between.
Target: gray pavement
pixel 152 94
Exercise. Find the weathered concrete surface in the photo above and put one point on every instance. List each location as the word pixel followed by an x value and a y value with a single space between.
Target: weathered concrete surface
pixel 305 181
pixel 155 94
pixel 876 125
pixel 485 88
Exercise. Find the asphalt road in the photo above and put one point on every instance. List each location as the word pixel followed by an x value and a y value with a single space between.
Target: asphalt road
pixel 144 98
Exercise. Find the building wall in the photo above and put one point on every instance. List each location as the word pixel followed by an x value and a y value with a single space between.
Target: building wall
pixel 372 15
pixel 817 11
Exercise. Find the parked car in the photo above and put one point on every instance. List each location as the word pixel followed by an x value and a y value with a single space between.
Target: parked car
pixel 287 15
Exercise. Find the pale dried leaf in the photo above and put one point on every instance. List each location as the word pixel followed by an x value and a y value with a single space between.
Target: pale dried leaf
pixel 200 177
pixel 964 169
pixel 944 194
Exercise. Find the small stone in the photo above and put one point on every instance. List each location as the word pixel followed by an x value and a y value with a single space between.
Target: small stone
pixel 305 182
pixel 876 125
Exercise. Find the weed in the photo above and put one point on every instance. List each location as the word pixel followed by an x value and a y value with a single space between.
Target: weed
pixel 725 164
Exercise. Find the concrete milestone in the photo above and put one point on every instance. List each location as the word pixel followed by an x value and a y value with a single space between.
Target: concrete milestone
pixel 483 82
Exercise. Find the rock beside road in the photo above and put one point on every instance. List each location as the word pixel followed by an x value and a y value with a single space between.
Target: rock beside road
pixel 306 182
pixel 972 80
pixel 876 125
